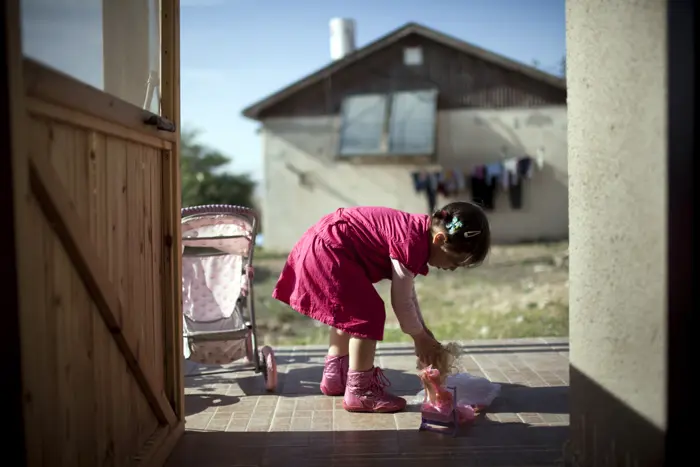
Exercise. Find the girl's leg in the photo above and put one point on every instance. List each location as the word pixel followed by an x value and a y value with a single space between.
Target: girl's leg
pixel 335 370
pixel 362 354
pixel 364 391
pixel 339 343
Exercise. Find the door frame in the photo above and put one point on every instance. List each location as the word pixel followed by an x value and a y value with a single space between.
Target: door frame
pixel 680 242
pixel 12 181
pixel 170 109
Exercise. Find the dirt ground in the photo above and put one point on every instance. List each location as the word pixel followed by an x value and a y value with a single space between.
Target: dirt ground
pixel 521 291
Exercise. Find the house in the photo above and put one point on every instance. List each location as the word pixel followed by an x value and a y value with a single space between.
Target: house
pixel 415 100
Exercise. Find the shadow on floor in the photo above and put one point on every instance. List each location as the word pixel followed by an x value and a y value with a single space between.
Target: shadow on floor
pixel 196 403
pixel 492 444
pixel 295 382
pixel 516 398
pixel 301 382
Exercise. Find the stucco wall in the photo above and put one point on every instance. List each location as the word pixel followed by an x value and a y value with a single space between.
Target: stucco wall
pixel 303 181
pixel 616 59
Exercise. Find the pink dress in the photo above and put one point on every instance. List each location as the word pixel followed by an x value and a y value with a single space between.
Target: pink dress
pixel 330 272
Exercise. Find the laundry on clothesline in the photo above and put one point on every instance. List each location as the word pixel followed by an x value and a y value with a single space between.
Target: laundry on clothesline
pixel 482 182
pixel 509 174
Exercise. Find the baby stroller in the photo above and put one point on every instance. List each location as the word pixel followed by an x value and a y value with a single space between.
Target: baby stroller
pixel 217 288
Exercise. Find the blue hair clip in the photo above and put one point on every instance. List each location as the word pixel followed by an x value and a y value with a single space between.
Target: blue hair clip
pixel 453 226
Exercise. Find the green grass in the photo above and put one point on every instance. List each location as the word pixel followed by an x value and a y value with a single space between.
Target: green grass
pixel 283 326
pixel 262 253
pixel 550 322
pixel 491 302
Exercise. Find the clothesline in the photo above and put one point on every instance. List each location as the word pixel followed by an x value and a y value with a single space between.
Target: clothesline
pixel 481 182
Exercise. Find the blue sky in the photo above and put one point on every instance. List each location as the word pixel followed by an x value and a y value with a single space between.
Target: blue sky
pixel 235 52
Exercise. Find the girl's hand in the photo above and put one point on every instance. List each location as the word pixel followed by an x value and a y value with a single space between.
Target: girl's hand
pixel 427 348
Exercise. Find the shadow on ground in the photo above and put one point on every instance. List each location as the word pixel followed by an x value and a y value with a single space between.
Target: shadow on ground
pixel 196 403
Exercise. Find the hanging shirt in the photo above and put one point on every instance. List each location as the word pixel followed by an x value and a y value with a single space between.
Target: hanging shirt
pixel 510 172
pixel 433 181
pixel 493 172
pixel 525 166
pixel 482 193
pixel 419 181
pixel 460 181
pixel 449 182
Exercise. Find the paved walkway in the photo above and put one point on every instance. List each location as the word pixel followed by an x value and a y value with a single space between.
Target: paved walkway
pixel 231 421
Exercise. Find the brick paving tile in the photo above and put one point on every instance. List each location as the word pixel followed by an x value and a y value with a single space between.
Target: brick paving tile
pixel 231 420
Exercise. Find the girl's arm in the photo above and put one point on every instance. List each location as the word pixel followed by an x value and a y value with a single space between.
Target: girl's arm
pixel 403 299
pixel 415 304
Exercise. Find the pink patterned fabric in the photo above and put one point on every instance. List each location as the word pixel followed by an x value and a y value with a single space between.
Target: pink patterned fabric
pixel 217 352
pixel 202 232
pixel 246 280
pixel 212 285
pixel 330 272
pixel 210 290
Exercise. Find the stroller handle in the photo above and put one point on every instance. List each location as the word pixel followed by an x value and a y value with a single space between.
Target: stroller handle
pixel 221 209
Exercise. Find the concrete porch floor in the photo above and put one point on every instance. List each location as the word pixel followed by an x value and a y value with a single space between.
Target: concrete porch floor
pixel 231 421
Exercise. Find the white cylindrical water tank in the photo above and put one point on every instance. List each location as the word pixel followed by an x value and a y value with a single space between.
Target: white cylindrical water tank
pixel 342 37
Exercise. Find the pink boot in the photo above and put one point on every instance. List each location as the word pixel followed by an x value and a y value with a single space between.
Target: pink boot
pixel 335 375
pixel 365 393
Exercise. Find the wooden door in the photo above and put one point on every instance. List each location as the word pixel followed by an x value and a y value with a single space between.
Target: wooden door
pixel 96 198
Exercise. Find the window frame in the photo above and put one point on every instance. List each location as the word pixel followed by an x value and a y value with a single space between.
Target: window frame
pixel 385 155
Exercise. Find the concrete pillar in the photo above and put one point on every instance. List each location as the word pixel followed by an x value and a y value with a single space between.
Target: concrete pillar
pixel 616 71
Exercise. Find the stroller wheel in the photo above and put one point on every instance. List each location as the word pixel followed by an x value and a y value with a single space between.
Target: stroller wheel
pixel 269 368
pixel 249 351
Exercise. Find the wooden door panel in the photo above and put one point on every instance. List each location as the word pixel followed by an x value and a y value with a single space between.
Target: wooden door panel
pixel 95 220
pixel 85 408
pixel 100 202
pixel 124 177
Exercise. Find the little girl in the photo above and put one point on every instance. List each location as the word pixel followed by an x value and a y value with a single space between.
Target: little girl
pixel 330 273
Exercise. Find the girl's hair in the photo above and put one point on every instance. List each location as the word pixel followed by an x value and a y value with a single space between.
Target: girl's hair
pixel 467 230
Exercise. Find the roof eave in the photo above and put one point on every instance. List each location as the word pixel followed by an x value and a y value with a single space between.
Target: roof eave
pixel 254 111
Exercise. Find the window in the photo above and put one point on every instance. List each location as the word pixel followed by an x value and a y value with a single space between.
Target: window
pixel 412 56
pixel 113 46
pixel 401 123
